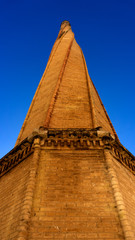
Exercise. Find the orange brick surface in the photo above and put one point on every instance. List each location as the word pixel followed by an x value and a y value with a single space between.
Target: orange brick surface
pixel 127 186
pixel 12 192
pixel 65 97
pixel 73 198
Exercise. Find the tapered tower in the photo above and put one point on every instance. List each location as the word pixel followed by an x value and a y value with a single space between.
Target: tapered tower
pixel 68 176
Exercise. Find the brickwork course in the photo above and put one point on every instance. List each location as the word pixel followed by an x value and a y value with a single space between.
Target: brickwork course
pixel 68 176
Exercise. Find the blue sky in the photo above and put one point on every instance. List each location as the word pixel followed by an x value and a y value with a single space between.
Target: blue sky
pixel 105 30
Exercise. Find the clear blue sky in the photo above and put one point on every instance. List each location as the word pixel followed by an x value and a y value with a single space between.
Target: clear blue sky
pixel 105 30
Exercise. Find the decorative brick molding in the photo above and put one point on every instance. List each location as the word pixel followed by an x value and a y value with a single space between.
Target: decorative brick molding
pixel 15 156
pixel 124 157
pixel 70 133
pixel 120 153
pixel 68 138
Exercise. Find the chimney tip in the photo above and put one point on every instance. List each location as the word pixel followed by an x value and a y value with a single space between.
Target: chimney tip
pixel 65 22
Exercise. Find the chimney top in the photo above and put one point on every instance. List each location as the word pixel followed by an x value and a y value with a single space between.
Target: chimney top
pixel 65 22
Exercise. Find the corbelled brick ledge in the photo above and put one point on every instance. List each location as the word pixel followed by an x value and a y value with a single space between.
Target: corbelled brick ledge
pixel 68 138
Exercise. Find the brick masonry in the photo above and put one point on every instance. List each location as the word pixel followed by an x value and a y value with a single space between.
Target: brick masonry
pixel 66 96
pixel 68 179
pixel 73 198
pixel 68 188
pixel 12 191
pixel 126 181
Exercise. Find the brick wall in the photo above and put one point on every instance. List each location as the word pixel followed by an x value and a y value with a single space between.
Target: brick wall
pixel 127 186
pixel 99 112
pixel 12 191
pixel 73 198
pixel 72 107
pixel 42 99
